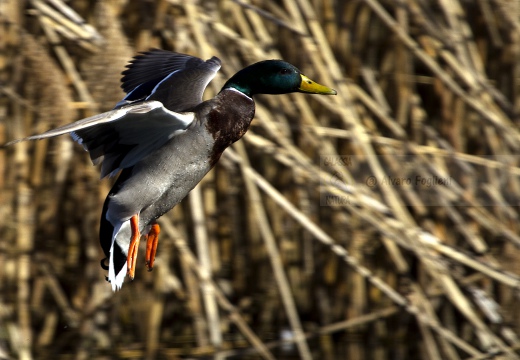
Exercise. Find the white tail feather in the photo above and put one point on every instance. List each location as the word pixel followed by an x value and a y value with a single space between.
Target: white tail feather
pixel 116 280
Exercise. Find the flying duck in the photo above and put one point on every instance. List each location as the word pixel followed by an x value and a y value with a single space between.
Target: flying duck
pixel 163 139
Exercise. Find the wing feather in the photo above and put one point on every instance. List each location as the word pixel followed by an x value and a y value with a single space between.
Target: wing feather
pixel 183 90
pixel 177 80
pixel 155 64
pixel 122 137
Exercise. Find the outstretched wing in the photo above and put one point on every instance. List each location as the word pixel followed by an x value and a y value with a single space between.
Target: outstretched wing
pixel 121 137
pixel 176 80
pixel 162 88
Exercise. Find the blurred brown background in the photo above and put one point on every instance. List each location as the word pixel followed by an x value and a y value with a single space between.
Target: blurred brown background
pixel 285 250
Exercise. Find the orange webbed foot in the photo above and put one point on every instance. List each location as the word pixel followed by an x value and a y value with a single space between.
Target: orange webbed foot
pixel 151 245
pixel 134 246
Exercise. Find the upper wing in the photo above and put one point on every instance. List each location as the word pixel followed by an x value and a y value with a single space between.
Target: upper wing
pixel 161 85
pixel 155 64
pixel 122 137
pixel 176 80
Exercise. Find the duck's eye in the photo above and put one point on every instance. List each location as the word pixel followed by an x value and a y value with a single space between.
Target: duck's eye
pixel 285 71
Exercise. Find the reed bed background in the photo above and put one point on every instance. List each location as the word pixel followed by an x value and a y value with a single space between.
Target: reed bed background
pixel 307 240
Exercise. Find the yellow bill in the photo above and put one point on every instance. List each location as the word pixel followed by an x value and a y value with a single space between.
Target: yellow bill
pixel 309 86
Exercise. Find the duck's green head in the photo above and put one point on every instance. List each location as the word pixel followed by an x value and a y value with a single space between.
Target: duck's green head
pixel 274 77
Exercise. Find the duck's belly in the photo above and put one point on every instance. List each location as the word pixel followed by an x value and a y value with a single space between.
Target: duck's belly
pixel 182 180
pixel 162 179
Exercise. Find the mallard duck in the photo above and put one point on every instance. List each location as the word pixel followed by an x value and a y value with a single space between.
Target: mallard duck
pixel 164 139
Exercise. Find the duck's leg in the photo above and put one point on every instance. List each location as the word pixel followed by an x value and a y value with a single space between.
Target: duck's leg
pixel 134 246
pixel 151 245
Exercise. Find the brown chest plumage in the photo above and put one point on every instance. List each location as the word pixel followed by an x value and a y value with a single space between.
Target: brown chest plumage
pixel 229 120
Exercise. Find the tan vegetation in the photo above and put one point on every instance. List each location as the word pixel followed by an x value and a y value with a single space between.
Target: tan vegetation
pixel 381 223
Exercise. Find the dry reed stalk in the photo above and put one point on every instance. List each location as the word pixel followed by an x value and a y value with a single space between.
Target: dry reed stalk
pixel 102 69
pixel 201 240
pixel 235 316
pixel 198 216
pixel 276 263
